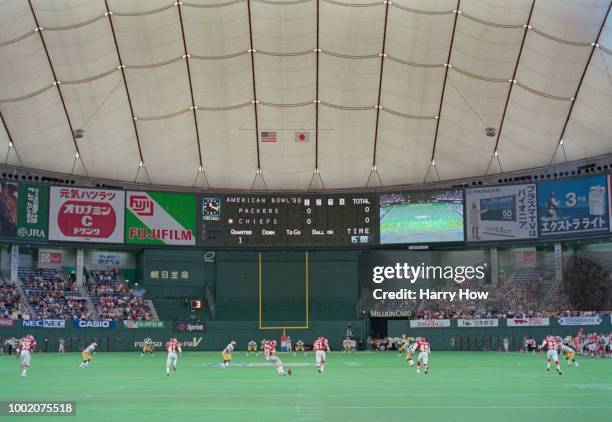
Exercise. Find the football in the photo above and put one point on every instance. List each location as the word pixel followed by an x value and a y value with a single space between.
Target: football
pixel 289 371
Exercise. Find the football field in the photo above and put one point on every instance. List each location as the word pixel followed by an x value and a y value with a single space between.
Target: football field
pixel 461 386
pixel 413 223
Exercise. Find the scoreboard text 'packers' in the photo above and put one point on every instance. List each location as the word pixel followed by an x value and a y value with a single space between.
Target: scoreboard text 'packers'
pixel 290 220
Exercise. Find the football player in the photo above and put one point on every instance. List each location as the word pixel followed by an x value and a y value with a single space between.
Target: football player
pixel 347 345
pixel 24 351
pixel 173 347
pixel 321 347
pixel 252 348
pixel 87 354
pixel 270 353
pixel 569 353
pixel 551 344
pixel 227 354
pixel 407 347
pixel 422 346
pixel 147 347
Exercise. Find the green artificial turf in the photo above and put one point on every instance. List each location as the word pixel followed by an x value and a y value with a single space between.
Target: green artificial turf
pixel 461 386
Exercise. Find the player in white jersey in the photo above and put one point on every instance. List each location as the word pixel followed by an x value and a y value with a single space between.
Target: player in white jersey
pixel 87 353
pixel 270 353
pixel 551 344
pixel 173 347
pixel 299 347
pixel 147 347
pixel 24 351
pixel 422 346
pixel 347 345
pixel 570 354
pixel 252 348
pixel 321 347
pixel 409 347
pixel 227 354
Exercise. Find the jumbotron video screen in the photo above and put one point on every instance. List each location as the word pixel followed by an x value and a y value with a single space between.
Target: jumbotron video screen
pixel 408 217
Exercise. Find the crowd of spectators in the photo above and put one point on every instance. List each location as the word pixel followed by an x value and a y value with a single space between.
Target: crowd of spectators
pixel 114 299
pixel 10 302
pixel 523 293
pixel 105 282
pixel 53 297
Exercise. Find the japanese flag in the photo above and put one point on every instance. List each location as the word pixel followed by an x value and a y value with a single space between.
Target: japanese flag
pixel 302 136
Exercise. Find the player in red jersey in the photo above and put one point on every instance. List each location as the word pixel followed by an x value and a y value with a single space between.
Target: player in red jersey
pixel 422 346
pixel 24 351
pixel 172 346
pixel 270 353
pixel 321 347
pixel 552 344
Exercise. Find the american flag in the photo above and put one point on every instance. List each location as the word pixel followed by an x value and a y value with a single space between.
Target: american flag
pixel 267 136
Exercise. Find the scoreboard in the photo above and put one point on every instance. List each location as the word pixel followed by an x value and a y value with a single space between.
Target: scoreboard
pixel 349 219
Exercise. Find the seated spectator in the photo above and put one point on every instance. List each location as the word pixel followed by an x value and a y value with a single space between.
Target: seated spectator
pixel 10 301
pixel 53 297
pixel 114 300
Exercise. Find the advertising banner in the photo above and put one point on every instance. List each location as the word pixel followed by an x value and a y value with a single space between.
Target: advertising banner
pixel 8 209
pixel 6 323
pixel 190 326
pixel 477 323
pixel 158 343
pixel 49 257
pixel 573 206
pixel 160 218
pixel 106 258
pixel 501 213
pixel 525 257
pixel 86 215
pixel 528 322
pixel 33 212
pixel 44 323
pixel 595 320
pixel 399 313
pixel 429 323
pixel 163 265
pixel 94 324
pixel 144 324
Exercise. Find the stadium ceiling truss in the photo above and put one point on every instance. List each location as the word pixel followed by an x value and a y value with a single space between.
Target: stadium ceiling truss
pixel 387 92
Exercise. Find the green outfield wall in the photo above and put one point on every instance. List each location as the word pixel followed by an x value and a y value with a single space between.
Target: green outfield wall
pixel 213 336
